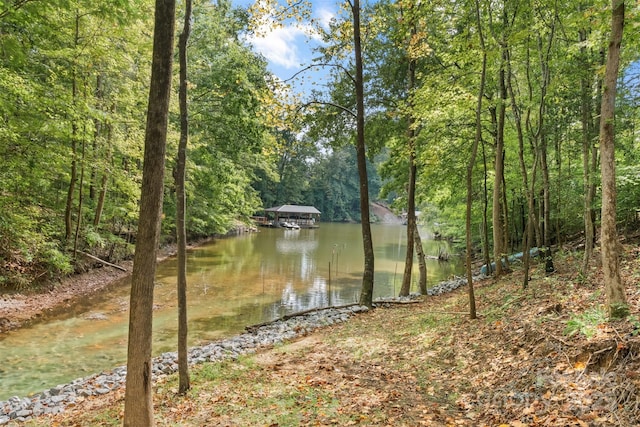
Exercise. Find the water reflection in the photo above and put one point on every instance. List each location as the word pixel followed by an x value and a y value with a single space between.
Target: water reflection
pixel 232 283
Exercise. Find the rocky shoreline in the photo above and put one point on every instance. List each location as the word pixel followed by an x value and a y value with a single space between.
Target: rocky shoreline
pixel 54 400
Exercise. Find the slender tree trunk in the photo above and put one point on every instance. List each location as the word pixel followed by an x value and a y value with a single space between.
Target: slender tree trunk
pixel 539 135
pixel 422 262
pixel 98 129
pixel 138 405
pixel 472 161
pixel 485 209
pixel 411 191
pixel 104 181
pixel 180 177
pixel 506 240
pixel 585 110
pixel 68 221
pixel 616 297
pixel 498 234
pixel 546 215
pixel 558 199
pixel 528 231
pixel 411 223
pixel 80 199
pixel 366 294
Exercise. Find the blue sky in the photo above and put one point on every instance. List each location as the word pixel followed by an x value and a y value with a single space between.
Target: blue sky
pixel 289 49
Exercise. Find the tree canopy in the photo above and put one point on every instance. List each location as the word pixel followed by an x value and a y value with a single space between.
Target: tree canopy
pixel 74 78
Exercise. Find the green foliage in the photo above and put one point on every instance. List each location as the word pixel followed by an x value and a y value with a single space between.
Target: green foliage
pixel 74 83
pixel 27 253
pixel 586 322
pixel 334 187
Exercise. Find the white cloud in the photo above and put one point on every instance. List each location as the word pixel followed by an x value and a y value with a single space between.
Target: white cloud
pixel 325 16
pixel 279 46
pixel 288 46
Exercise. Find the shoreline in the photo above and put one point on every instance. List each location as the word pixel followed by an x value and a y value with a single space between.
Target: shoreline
pixel 20 309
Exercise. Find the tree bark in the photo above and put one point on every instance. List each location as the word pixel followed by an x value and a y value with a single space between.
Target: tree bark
pixel 405 289
pixel 138 410
pixel 589 156
pixel 181 232
pixel 528 230
pixel 68 220
pixel 422 263
pixel 616 298
pixel 498 234
pixel 104 181
pixel 472 160
pixel 366 294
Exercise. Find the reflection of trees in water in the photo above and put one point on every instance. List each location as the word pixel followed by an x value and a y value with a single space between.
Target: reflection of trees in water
pixel 320 294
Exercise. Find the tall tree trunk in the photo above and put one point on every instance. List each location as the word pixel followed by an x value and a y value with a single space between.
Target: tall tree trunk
pixel 529 190
pixel 472 161
pixel 68 220
pixel 138 405
pixel 616 297
pixel 411 191
pixel 422 262
pixel 485 208
pixel 80 199
pixel 98 130
pixel 585 113
pixel 540 138
pixel 366 294
pixel 105 178
pixel 411 222
pixel 498 233
pixel 181 166
pixel 546 214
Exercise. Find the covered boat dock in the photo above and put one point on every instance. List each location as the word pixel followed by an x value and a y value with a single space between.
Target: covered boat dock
pixel 289 215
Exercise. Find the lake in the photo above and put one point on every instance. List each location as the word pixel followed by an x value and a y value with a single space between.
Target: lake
pixel 232 283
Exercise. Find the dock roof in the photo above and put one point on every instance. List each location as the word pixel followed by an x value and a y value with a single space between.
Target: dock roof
pixel 294 209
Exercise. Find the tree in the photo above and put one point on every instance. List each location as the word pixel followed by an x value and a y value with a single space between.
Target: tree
pixel 138 411
pixel 472 160
pixel 499 227
pixel 181 232
pixel 614 288
pixel 411 185
pixel 366 294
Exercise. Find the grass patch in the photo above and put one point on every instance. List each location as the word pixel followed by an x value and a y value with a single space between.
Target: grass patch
pixel 587 322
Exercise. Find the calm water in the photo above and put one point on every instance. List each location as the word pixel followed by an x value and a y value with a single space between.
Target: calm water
pixel 232 283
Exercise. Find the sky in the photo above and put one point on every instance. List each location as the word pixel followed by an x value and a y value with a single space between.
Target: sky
pixel 289 49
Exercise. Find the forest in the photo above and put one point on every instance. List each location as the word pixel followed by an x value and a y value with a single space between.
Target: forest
pixel 511 125
pixel 506 94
